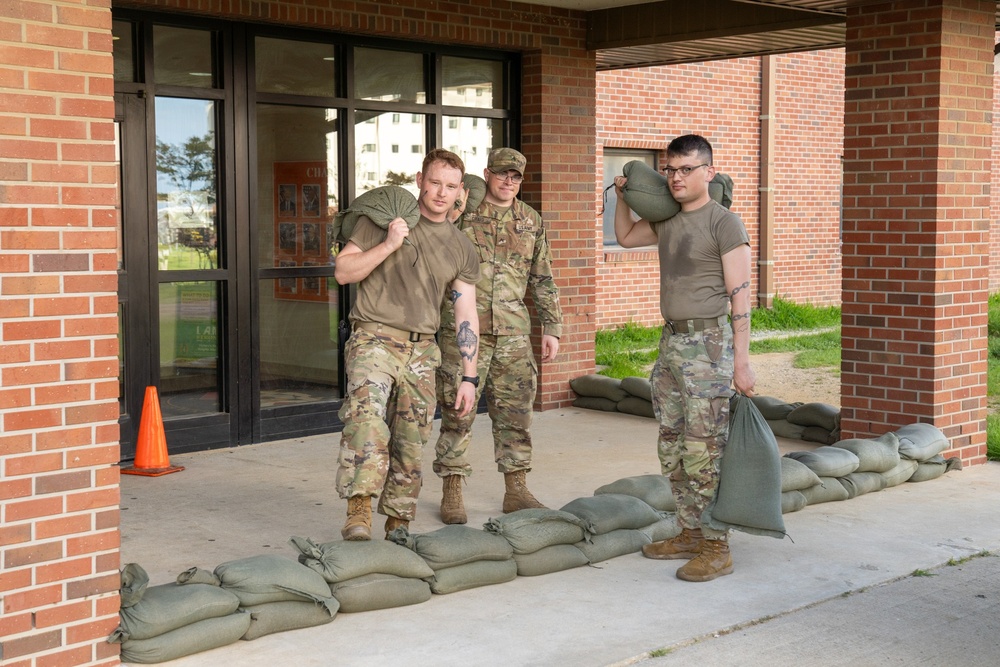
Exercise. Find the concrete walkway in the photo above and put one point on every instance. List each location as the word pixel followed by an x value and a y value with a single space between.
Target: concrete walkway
pixel 241 502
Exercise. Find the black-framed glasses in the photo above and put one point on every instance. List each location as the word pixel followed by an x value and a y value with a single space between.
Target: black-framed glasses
pixel 512 175
pixel 683 171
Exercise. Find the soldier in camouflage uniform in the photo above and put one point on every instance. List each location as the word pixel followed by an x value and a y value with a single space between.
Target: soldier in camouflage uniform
pixel 391 356
pixel 514 255
pixel 704 272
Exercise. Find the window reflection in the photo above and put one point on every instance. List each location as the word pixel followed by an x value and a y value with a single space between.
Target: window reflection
pixel 183 57
pixel 186 184
pixel 376 163
pixel 124 51
pixel 472 83
pixel 389 76
pixel 189 348
pixel 471 139
pixel 294 67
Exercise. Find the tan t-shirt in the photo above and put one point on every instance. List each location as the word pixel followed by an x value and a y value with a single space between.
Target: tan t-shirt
pixel 405 291
pixel 691 245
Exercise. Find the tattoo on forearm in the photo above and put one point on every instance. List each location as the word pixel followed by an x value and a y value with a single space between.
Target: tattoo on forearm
pixel 738 321
pixel 738 289
pixel 468 341
pixel 455 295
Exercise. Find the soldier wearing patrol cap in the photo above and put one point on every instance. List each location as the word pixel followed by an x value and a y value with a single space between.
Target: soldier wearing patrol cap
pixel 514 254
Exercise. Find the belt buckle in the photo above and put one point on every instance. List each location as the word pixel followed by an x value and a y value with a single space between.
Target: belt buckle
pixel 414 337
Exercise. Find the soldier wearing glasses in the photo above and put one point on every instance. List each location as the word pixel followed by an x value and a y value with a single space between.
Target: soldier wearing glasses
pixel 704 274
pixel 514 255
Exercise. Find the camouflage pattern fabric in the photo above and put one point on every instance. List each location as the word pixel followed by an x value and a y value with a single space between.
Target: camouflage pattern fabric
pixel 692 383
pixel 509 372
pixel 387 415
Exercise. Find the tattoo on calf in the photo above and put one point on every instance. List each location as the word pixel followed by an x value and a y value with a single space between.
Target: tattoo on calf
pixel 468 341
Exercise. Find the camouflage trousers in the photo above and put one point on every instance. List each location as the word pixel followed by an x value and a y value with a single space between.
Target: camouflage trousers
pixel 691 382
pixel 387 413
pixel 509 377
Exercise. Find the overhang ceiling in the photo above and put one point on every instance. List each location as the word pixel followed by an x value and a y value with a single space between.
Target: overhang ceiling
pixel 634 33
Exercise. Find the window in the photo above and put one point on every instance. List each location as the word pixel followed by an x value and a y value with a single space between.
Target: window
pixel 615 160
pixel 395 119
pixel 452 123
pixel 395 148
pixel 416 148
pixel 368 148
pixel 415 118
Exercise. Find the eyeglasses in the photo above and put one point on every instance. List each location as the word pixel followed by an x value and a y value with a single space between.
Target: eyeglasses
pixel 683 171
pixel 511 175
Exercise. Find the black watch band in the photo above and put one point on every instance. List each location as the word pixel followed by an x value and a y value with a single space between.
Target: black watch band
pixel 474 381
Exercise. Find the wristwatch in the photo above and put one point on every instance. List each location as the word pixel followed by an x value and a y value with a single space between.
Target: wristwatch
pixel 474 381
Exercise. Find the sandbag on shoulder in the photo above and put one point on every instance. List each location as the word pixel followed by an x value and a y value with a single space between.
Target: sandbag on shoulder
pixel 874 455
pixel 654 490
pixel 169 606
pixel 271 617
pixel 382 205
pixel 612 511
pixel 921 442
pixel 796 475
pixel 546 560
pixel 638 387
pixel 530 530
pixel 648 194
pixel 595 403
pixel 824 415
pixel 342 560
pixel 453 545
pixel 472 575
pixel 828 490
pixel 379 591
pixel 613 544
pixel 633 405
pixel 828 461
pixel 749 494
pixel 477 191
pixel 187 640
pixel 265 578
pixel 773 408
pixel 600 386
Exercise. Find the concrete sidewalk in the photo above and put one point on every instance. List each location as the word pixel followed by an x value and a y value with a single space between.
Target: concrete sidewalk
pixel 241 502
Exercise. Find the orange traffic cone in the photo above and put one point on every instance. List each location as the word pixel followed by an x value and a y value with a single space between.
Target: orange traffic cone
pixel 151 457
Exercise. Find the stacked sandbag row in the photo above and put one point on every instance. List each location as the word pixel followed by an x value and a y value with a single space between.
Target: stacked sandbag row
pixel 618 524
pixel 542 540
pixel 632 395
pixel 853 467
pixel 815 422
pixel 241 599
pixel 460 557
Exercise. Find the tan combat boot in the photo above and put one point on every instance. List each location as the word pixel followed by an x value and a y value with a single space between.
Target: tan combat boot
pixel 713 561
pixel 687 545
pixel 393 522
pixel 452 507
pixel 517 496
pixel 359 519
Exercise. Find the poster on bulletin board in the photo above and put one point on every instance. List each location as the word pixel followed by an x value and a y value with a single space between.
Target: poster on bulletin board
pixel 301 224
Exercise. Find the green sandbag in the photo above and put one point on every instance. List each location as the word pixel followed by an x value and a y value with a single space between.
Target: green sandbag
pixel 654 490
pixel 595 403
pixel 638 387
pixel 342 560
pixel 820 435
pixel 880 454
pixel 473 575
pixel 773 408
pixel 265 578
pixel 796 475
pixel 197 575
pixel 612 511
pixel 749 494
pixel 824 415
pixel 860 483
pixel 633 405
pixel 379 591
pixel 930 469
pixel 187 640
pixel 663 529
pixel 134 581
pixel 477 191
pixel 266 619
pixel 792 501
pixel 613 544
pixel 921 442
pixel 901 473
pixel 828 490
pixel 170 606
pixel 601 386
pixel 828 461
pixel 648 194
pixel 382 205
pixel 555 558
pixel 454 545
pixel 530 530
pixel 786 429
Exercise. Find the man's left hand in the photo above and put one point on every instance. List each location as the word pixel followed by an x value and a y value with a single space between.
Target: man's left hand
pixel 550 347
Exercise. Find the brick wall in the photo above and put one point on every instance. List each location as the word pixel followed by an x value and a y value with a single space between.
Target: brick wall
pixel 994 240
pixel 58 344
pixel 916 225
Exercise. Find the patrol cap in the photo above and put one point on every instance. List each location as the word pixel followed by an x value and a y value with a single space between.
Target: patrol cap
pixel 504 159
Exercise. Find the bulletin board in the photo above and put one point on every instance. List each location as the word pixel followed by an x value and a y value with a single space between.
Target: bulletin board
pixel 302 220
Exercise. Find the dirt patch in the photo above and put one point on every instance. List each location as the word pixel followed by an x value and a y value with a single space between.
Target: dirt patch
pixel 777 377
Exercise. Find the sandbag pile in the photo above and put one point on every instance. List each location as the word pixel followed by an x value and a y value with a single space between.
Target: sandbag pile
pixel 632 395
pixel 542 540
pixel 461 557
pixel 364 576
pixel 618 524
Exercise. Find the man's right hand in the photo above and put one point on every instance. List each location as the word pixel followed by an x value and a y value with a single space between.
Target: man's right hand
pixel 398 231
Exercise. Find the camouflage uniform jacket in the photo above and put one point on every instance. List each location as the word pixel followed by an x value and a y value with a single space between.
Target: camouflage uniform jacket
pixel 514 254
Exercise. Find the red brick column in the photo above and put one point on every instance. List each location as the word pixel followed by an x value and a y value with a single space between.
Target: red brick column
pixel 916 203
pixel 58 335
